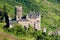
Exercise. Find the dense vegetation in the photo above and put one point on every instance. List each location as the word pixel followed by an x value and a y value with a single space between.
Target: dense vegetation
pixel 49 9
pixel 31 34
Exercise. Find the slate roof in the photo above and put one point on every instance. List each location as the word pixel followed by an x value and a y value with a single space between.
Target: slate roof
pixel 33 15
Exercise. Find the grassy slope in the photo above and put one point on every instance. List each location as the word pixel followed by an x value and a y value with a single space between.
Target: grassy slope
pixel 50 18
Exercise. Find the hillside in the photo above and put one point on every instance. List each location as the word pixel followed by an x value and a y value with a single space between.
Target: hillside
pixel 49 9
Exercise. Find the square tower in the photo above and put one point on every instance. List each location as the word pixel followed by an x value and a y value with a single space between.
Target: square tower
pixel 18 10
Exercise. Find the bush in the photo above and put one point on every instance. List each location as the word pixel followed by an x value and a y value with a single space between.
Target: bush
pixel 30 29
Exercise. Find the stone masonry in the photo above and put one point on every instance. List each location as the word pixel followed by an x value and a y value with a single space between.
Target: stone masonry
pixel 32 18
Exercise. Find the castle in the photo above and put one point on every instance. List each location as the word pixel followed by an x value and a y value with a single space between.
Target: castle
pixel 32 18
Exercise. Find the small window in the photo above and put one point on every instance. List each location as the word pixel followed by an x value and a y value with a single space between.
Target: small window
pixel 18 16
pixel 37 20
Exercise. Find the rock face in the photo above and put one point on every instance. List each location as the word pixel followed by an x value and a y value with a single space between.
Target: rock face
pixel 33 18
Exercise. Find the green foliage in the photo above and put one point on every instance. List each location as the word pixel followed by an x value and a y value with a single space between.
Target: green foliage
pixel 5 39
pixel 49 9
pixel 31 29
pixel 20 31
pixel 50 12
pixel 1 15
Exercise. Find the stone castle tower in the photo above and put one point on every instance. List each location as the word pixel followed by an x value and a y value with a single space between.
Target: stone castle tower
pixel 18 12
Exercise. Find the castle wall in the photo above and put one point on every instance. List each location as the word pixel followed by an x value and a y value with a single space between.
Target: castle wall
pixel 38 23
pixel 25 24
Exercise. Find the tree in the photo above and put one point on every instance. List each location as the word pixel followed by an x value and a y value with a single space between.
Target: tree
pixel 30 29
pixel 6 16
pixel 1 15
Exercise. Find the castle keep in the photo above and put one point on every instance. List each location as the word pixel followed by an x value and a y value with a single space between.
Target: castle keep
pixel 32 18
